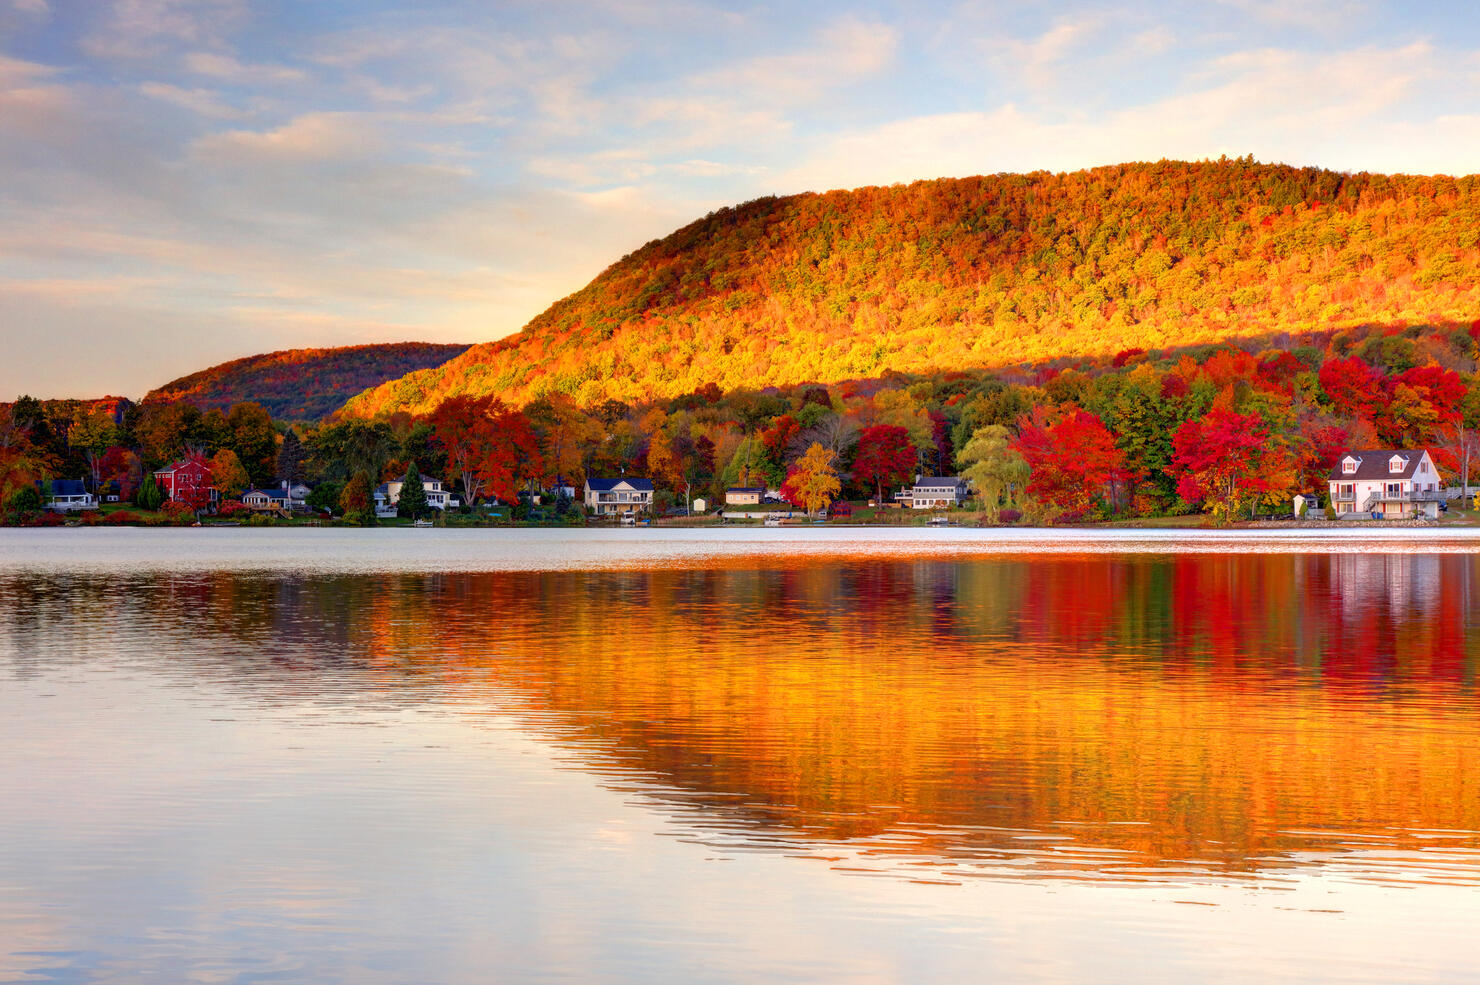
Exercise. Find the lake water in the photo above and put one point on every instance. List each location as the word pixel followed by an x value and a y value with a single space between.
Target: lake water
pixel 429 756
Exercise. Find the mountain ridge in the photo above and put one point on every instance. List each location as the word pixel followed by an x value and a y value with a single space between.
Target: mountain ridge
pixel 276 379
pixel 983 273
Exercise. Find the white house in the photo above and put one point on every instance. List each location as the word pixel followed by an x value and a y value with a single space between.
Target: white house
pixel 933 492
pixel 70 494
pixel 606 497
pixel 1387 482
pixel 266 499
pixel 388 494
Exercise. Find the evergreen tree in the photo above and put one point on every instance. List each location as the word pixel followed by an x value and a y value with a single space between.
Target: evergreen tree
pixel 358 500
pixel 291 467
pixel 149 496
pixel 413 500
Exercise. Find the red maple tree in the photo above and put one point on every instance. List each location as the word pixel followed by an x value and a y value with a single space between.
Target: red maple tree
pixel 1073 458
pixel 491 445
pixel 1355 388
pixel 1226 459
pixel 885 456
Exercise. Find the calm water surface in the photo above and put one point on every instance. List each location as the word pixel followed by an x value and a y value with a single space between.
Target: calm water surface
pixel 756 756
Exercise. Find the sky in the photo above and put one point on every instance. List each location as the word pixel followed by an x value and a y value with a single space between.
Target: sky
pixel 188 181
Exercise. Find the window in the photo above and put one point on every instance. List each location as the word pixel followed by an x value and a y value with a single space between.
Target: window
pixel 1347 490
pixel 1423 466
pixel 1396 463
pixel 1348 466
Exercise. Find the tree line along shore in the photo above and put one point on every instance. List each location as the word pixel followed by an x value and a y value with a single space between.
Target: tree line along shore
pixel 1214 433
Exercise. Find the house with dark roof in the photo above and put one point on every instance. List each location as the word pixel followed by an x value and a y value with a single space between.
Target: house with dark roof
pixel 1386 483
pixel 70 494
pixel 625 494
pixel 266 498
pixel 934 492
pixel 745 495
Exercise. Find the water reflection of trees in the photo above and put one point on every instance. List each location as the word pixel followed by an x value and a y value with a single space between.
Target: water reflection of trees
pixel 1170 708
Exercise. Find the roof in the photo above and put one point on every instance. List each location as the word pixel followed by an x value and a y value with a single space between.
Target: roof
pixel 1373 464
pixel 275 493
pixel 68 487
pixel 939 480
pixel 743 489
pixel 606 485
pixel 177 466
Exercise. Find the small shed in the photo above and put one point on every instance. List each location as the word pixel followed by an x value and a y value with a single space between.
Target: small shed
pixel 700 506
pixel 1306 503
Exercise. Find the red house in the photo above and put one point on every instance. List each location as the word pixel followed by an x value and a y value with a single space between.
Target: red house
pixel 188 481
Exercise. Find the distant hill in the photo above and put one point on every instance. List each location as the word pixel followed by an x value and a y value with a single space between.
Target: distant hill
pixel 980 273
pixel 302 384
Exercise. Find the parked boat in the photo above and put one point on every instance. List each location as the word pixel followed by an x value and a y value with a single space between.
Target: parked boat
pixel 421 523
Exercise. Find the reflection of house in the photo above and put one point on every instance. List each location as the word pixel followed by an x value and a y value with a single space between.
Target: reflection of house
pixel 745 495
pixel 187 481
pixel 1387 589
pixel 622 495
pixel 1387 482
pixel 70 494
pixel 388 494
pixel 933 492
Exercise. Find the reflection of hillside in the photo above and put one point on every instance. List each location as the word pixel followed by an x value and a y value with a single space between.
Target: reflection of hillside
pixel 1167 708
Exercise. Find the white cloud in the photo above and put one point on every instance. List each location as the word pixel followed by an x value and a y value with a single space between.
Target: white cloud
pixel 312 137
pixel 15 72
pixel 1331 16
pixel 142 29
pixel 1054 45
pixel 844 51
pixel 206 102
pixel 1337 111
pixel 227 68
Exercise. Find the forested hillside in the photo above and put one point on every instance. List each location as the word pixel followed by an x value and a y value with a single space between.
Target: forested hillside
pixel 302 384
pixel 987 272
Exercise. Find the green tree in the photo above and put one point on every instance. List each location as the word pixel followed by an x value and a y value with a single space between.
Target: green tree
pixel 995 468
pixel 340 450
pixel 358 500
pixel 149 496
pixel 24 500
pixel 325 496
pixel 413 499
